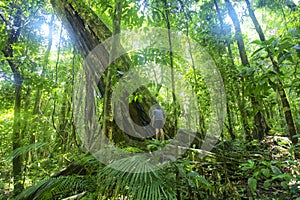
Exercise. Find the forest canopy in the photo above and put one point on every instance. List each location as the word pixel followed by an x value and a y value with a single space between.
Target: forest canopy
pixel 83 85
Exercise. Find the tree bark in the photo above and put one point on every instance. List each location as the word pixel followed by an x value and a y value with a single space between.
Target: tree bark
pixel 280 87
pixel 82 24
pixel 238 33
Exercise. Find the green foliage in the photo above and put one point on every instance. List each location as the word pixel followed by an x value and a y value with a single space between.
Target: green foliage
pixel 236 169
pixel 264 174
pixel 25 149
pixel 190 183
pixel 199 179
pixel 252 183
pixel 54 188
pixel 134 181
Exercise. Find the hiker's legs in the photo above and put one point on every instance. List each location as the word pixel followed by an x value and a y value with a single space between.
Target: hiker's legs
pixel 156 133
pixel 162 134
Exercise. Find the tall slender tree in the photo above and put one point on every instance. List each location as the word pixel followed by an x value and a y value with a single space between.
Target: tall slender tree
pixel 168 24
pixel 260 125
pixel 280 86
pixel 8 51
pixel 229 49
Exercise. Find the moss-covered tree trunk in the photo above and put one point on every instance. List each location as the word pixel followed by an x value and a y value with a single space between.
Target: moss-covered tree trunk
pixel 87 31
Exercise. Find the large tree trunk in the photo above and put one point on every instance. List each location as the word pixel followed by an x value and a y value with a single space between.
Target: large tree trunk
pixel 260 125
pixel 280 87
pixel 84 27
pixel 87 31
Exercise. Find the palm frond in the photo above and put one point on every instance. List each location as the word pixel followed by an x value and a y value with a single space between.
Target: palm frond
pixel 135 178
pixel 79 176
pixel 25 149
pixel 59 187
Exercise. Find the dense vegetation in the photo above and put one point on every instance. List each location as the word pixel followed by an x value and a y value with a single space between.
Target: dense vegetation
pixel 224 71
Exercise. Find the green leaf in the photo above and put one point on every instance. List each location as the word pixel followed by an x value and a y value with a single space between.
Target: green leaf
pixel 191 183
pixel 287 55
pixel 248 166
pixel 256 173
pixel 282 176
pixel 203 180
pixel 275 170
pixel 296 136
pixel 136 98
pixel 252 183
pixel 192 174
pixel 258 42
pixel 285 185
pixel 257 51
pixel 266 172
pixel 267 183
pixel 25 149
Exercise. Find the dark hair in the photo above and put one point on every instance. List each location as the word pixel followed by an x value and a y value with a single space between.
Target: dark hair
pixel 157 106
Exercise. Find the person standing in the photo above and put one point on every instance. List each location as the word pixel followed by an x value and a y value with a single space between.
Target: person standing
pixel 158 122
